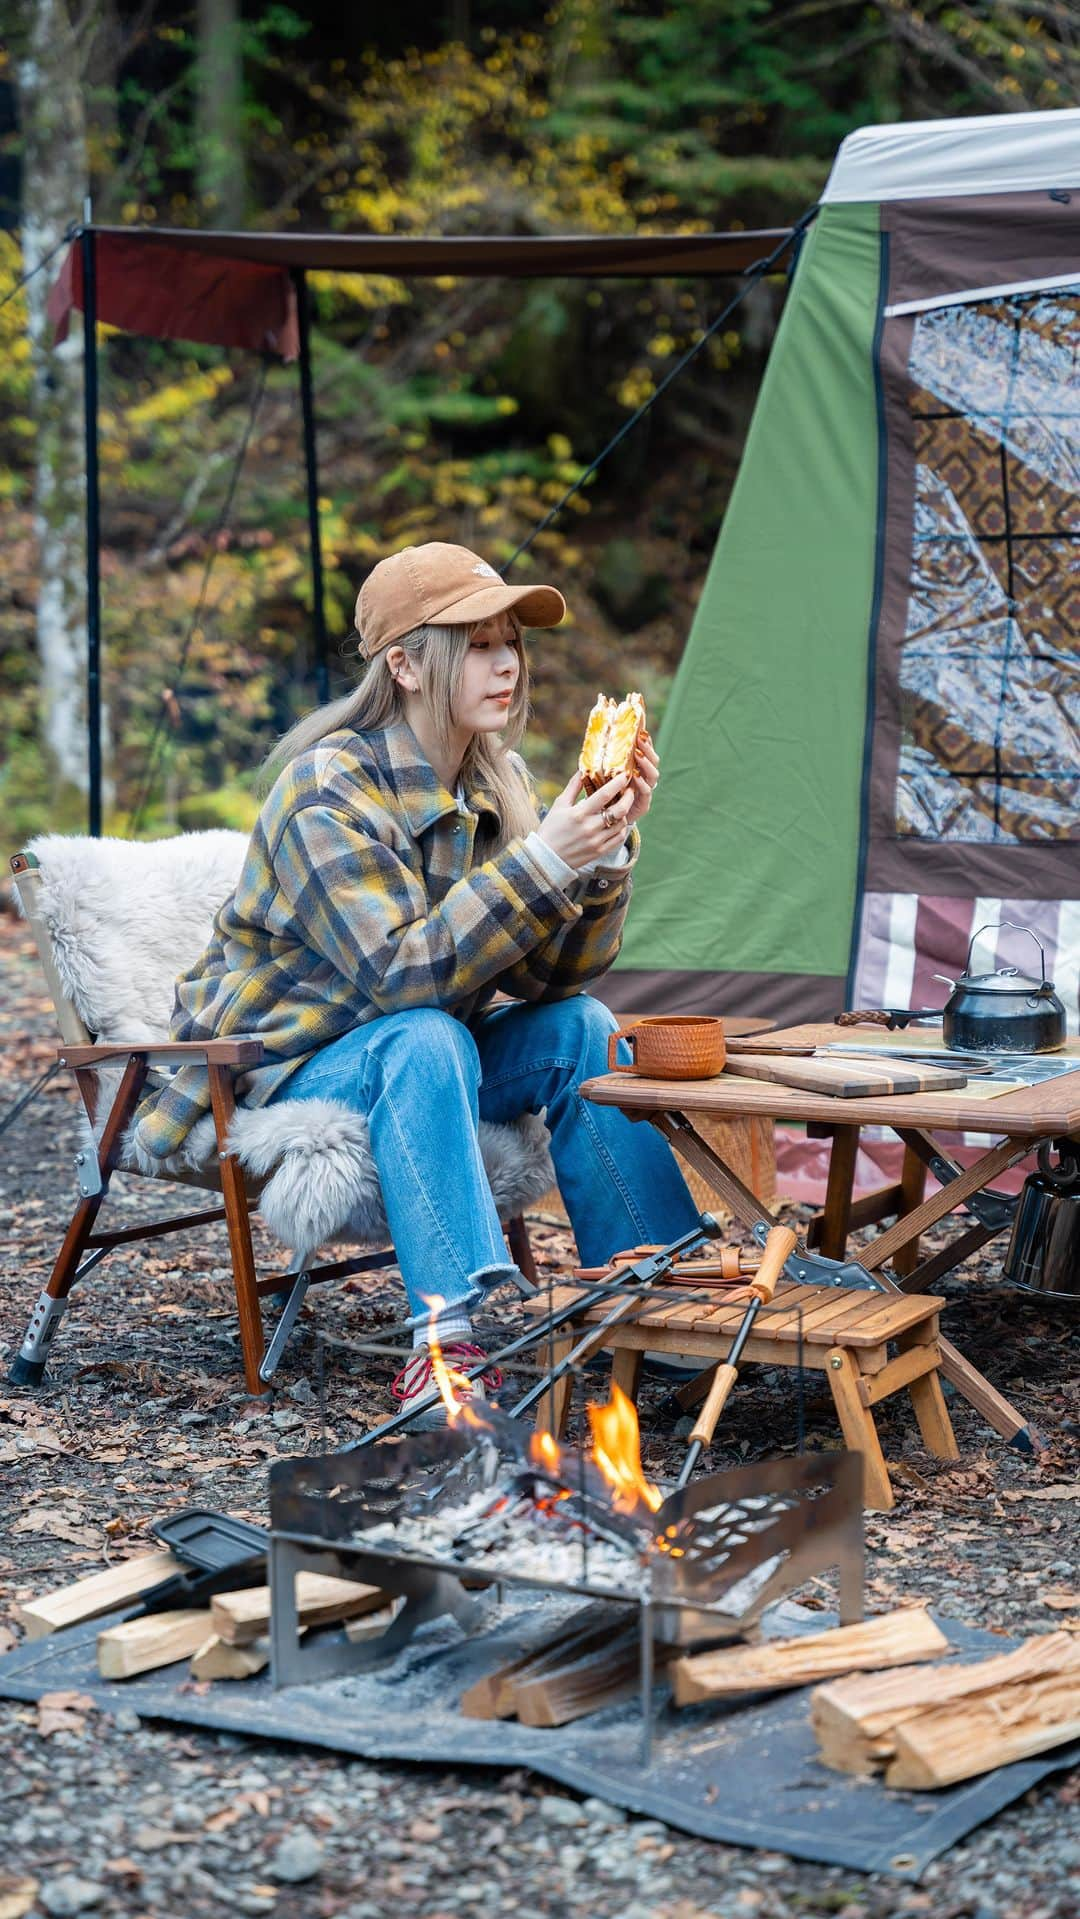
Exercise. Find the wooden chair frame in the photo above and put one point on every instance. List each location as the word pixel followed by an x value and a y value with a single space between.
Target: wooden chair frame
pixel 83 1246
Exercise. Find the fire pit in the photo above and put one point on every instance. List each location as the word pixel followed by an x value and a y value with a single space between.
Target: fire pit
pixel 439 1518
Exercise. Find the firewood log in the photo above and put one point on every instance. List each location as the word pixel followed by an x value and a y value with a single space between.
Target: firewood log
pixel 857 1720
pixel 97 1594
pixel 957 1742
pixel 894 1639
pixel 158 1639
pixel 216 1659
pixel 595 1678
pixel 239 1617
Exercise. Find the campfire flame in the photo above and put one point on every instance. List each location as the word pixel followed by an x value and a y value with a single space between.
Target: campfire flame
pixel 616 1439
pixel 545 1451
pixel 449 1379
pixel 617 1452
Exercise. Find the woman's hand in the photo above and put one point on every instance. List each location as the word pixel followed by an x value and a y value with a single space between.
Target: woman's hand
pixel 594 828
pixel 643 784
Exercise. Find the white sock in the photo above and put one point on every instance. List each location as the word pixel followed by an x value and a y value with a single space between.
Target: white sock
pixel 451 1325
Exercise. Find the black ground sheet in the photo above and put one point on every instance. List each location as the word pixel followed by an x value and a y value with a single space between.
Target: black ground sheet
pixel 746 1773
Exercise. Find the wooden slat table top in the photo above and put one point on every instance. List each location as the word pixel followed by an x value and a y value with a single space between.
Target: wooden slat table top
pixel 1035 1112
pixel 831 1315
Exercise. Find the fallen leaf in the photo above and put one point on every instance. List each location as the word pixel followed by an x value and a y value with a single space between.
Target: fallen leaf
pixel 238 1808
pixel 63 1712
pixel 17 1895
pixel 1060 1601
pixel 221 1821
pixel 156 1838
pixel 1069 1491
pixel 56 1525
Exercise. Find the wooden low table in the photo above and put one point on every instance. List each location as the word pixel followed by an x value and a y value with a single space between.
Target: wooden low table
pixel 836 1330
pixel 1018 1122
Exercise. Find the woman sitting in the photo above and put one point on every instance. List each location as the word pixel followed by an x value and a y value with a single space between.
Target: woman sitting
pixel 401 874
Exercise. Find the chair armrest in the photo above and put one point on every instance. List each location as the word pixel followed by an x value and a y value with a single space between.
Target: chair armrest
pixel 216 1052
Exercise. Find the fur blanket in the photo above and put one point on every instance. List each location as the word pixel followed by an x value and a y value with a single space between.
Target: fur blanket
pixel 124 918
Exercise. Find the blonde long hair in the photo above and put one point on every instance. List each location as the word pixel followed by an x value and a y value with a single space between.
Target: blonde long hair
pixel 437 655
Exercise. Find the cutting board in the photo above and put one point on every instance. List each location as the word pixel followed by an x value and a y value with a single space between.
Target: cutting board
pixel 846 1079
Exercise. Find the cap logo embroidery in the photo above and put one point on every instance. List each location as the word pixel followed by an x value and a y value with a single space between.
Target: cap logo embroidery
pixel 488 572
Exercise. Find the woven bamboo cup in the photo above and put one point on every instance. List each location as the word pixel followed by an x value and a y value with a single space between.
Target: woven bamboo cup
pixel 671 1046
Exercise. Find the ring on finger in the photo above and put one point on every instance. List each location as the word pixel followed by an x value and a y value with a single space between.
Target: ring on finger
pixel 609 819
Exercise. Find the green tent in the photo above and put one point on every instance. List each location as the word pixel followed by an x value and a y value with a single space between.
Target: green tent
pixel 872 745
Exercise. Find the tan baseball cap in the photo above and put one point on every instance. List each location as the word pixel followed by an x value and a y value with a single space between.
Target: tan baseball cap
pixel 441 585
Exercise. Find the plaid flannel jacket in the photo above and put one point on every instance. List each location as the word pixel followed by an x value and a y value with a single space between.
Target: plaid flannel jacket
pixel 367 890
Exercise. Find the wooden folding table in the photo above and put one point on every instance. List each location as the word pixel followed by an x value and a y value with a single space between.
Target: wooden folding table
pixel 1018 1122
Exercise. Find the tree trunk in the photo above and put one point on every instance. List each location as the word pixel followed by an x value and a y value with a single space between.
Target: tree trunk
pixel 54 180
pixel 219 116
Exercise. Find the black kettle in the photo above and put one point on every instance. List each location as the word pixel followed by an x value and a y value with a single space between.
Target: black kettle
pixel 1004 1011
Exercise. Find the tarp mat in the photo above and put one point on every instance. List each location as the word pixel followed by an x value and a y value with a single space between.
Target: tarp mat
pixel 745 1773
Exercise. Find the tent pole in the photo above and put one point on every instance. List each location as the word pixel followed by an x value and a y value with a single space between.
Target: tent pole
pixel 87 243
pixel 311 467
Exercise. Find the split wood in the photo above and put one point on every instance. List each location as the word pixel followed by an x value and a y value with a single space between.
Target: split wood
pixel 99 1593
pixel 157 1639
pixel 895 1639
pixel 372 1625
pixel 240 1617
pixel 216 1659
pixel 931 1727
pixel 592 1662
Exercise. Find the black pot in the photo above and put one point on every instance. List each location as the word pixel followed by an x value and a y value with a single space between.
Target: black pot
pixel 1044 1248
pixel 1005 1011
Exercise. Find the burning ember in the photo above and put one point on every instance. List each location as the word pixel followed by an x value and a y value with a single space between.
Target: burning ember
pixel 616 1439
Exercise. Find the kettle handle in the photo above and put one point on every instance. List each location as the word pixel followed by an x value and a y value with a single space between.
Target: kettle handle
pixel 992 925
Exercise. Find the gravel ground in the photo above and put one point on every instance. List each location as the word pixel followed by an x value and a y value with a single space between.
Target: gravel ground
pixel 144 1413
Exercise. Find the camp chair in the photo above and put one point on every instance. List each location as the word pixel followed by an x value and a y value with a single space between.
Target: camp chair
pixel 115 922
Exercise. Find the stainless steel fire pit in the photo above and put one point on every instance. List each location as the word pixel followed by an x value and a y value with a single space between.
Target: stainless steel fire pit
pixel 436 1517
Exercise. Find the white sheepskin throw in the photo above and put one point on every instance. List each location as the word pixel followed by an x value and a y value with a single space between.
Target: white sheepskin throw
pixel 125 918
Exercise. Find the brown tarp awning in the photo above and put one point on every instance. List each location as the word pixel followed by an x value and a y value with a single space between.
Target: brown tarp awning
pixel 235 289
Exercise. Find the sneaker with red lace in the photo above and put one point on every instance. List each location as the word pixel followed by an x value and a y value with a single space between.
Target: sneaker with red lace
pixel 416 1386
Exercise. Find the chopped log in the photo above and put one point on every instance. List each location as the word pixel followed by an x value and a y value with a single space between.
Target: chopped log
pixel 597 1678
pixel 894 1639
pixel 492 1697
pixel 142 1645
pixel 957 1742
pixel 216 1659
pixel 240 1617
pixel 97 1594
pixel 372 1625
pixel 856 1720
pixel 591 1662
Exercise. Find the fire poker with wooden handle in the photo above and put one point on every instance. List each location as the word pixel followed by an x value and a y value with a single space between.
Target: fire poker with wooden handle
pixel 777 1250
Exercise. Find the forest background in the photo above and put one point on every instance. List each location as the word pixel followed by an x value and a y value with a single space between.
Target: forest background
pixel 456 410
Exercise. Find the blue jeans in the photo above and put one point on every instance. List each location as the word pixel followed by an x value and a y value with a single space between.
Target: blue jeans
pixel 423 1081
